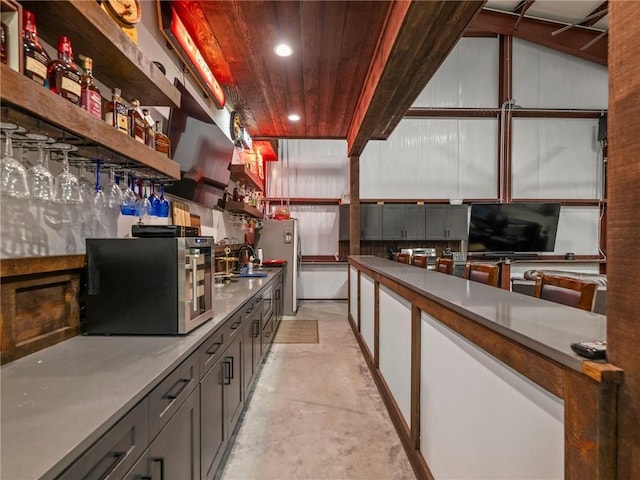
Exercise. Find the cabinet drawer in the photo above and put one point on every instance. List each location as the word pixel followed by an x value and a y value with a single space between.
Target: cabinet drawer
pixel 211 350
pixel 234 324
pixel 167 397
pixel 116 452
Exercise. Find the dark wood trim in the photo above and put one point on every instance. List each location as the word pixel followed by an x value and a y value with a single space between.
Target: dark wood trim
pixel 416 372
pixel 425 112
pixel 376 324
pixel 523 7
pixel 349 312
pixel 10 267
pixel 623 230
pixel 305 201
pixel 354 206
pixel 539 32
pixel 319 259
pixel 587 202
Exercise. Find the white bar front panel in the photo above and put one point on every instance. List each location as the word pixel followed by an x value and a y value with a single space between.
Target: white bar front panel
pixel 480 419
pixel 367 308
pixel 395 348
pixel 353 293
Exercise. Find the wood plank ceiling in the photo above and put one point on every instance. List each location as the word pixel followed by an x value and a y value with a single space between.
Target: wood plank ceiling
pixel 356 66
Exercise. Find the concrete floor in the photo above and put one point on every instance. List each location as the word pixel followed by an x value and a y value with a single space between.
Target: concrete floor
pixel 316 413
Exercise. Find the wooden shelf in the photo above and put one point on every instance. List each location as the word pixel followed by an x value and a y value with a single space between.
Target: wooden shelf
pixel 117 61
pixel 26 96
pixel 240 208
pixel 242 174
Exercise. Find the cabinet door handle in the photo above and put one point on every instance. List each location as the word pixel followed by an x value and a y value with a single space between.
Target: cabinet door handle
pixel 231 369
pixel 235 325
pixel 160 462
pixel 114 459
pixel 184 382
pixel 249 310
pixel 216 346
pixel 256 329
pixel 226 373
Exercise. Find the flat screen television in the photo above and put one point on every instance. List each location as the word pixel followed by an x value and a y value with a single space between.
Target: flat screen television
pixel 513 227
pixel 203 151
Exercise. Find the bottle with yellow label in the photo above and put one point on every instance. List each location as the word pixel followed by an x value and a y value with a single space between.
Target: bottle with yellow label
pixel 116 112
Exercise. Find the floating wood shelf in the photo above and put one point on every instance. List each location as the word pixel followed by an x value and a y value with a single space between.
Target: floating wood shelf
pixel 242 174
pixel 117 61
pixel 32 100
pixel 240 208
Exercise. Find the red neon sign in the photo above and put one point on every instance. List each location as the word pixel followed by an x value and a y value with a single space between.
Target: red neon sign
pixel 186 42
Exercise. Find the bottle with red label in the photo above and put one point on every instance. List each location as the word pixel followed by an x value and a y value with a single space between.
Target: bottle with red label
pixel 90 98
pixel 63 74
pixel 36 59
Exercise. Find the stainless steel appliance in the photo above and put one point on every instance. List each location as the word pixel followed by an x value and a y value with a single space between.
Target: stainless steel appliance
pixel 430 253
pixel 279 239
pixel 149 286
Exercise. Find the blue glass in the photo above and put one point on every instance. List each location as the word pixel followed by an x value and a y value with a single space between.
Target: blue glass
pixel 164 204
pixel 154 201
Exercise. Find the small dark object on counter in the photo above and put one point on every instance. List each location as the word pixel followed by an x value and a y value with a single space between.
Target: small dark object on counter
pixel 570 256
pixel 592 350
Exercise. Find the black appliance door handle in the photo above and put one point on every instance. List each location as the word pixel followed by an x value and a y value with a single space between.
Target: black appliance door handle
pixel 183 382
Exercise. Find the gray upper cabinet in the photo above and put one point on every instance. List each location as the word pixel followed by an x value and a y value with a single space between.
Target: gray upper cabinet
pixel 370 222
pixel 403 222
pixel 446 222
pixel 344 223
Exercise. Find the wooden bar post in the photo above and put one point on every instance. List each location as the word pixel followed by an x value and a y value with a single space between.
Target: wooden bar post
pixel 354 207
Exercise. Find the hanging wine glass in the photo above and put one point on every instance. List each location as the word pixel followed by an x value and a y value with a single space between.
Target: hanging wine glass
pixel 13 175
pixel 128 198
pixel 143 206
pixel 66 185
pixel 39 178
pixel 154 202
pixel 86 187
pixel 98 202
pixel 163 209
pixel 113 194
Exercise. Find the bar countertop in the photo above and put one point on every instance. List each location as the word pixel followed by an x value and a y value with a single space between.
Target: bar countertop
pixel 545 327
pixel 58 401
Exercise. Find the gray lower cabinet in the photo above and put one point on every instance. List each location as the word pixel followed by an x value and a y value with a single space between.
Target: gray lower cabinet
pixel 403 222
pixel 213 435
pixel 370 222
pixel 141 470
pixel 113 455
pixel 175 452
pixel 252 349
pixel 232 379
pixel 446 222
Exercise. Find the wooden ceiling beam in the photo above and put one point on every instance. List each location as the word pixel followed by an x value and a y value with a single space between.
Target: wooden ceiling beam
pixel 539 32
pixel 415 40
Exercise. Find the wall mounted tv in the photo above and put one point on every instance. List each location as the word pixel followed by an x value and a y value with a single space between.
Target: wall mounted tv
pixel 512 228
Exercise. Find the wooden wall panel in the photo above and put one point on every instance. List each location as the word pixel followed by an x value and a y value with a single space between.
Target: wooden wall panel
pixel 623 229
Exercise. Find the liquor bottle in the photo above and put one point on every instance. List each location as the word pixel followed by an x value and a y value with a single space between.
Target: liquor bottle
pixel 136 122
pixel 36 58
pixel 115 112
pixel 90 99
pixel 63 75
pixel 149 131
pixel 163 145
pixel 3 43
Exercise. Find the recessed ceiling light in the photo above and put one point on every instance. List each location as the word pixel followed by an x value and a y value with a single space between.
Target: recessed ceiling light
pixel 283 50
pixel 294 117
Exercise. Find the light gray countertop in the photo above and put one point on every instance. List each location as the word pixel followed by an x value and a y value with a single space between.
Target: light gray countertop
pixel 546 327
pixel 58 401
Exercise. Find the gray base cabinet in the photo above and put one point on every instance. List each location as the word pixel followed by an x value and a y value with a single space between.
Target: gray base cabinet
pixel 213 435
pixel 175 452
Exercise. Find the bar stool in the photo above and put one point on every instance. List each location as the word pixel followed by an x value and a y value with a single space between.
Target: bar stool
pixel 482 273
pixel 420 261
pixel 444 265
pixel 567 291
pixel 403 258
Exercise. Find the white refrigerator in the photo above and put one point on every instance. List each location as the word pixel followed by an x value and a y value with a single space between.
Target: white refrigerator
pixel 279 239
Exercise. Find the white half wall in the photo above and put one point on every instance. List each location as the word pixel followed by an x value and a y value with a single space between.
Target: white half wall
pixel 353 289
pixel 322 282
pixel 480 419
pixel 367 310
